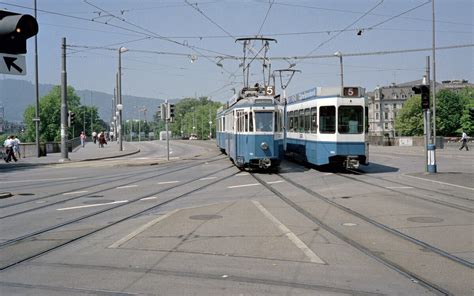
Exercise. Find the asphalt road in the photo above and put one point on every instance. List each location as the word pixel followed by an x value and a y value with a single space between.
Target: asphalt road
pixel 196 225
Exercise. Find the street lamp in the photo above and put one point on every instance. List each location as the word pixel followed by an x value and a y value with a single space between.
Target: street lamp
pixel 120 102
pixel 339 54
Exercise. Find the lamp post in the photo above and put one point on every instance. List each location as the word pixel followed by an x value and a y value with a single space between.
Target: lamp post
pixel 339 54
pixel 120 102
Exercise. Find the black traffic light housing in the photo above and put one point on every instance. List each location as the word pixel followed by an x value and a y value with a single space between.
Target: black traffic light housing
pixel 71 118
pixel 424 90
pixel 15 29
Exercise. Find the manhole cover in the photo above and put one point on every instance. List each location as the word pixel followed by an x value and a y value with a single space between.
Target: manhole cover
pixel 91 202
pixel 25 194
pixel 205 217
pixel 425 219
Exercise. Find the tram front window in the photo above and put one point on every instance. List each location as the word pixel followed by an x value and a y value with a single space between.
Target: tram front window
pixel 350 120
pixel 264 121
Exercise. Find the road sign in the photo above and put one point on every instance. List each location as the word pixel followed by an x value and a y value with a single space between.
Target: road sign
pixel 12 64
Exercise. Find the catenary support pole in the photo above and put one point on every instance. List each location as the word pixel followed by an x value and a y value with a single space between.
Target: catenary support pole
pixel 64 111
pixel 37 109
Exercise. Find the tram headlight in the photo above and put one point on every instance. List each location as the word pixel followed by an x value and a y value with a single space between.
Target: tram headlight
pixel 264 146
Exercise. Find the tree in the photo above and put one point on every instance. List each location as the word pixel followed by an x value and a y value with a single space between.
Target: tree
pixel 409 121
pixel 50 115
pixel 452 114
pixel 449 106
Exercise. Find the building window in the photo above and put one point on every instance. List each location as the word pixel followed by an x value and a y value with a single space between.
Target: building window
pixel 376 116
pixel 376 106
pixel 385 115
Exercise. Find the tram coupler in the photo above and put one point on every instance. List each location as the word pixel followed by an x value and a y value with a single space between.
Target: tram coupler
pixel 351 162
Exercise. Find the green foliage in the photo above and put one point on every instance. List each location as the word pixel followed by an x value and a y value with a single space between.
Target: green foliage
pixel 409 121
pixel 452 114
pixel 50 116
pixel 192 117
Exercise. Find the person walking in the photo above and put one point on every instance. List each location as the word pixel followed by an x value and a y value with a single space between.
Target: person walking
pixel 83 139
pixel 16 146
pixel 94 136
pixel 464 141
pixel 9 145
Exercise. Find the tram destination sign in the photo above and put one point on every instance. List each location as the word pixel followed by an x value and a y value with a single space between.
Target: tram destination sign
pixel 352 92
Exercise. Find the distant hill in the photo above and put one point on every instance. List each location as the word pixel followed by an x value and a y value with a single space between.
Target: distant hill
pixel 16 95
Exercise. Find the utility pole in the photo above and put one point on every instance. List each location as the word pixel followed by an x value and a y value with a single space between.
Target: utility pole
pixel 37 111
pixel 64 111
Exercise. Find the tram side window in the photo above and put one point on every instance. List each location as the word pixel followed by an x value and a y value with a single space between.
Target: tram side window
pixel 251 129
pixel 366 119
pixel 246 123
pixel 301 121
pixel 223 124
pixel 314 120
pixel 350 120
pixel 307 121
pixel 327 119
pixel 290 121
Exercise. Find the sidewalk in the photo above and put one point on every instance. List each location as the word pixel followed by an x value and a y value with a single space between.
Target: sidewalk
pixel 90 151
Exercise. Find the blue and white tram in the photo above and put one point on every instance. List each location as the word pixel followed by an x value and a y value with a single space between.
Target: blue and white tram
pixel 325 127
pixel 250 129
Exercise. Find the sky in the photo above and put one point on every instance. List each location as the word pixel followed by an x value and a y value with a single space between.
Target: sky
pixel 164 37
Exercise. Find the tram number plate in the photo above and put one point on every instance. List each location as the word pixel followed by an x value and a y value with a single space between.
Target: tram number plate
pixel 351 91
pixel 270 90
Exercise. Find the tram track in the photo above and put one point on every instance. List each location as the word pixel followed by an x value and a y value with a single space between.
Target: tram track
pixel 36 236
pixel 141 178
pixel 431 200
pixel 364 248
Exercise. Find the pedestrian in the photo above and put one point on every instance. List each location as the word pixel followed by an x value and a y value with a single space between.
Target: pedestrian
pixel 9 145
pixel 102 140
pixel 111 135
pixel 464 141
pixel 94 136
pixel 16 146
pixel 83 139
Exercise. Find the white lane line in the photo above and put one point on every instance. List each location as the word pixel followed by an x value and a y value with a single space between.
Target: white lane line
pixel 399 187
pixel 148 198
pixel 75 192
pixel 439 182
pixel 208 178
pixel 140 230
pixel 245 185
pixel 128 186
pixel 242 174
pixel 328 174
pixel 94 205
pixel 168 182
pixel 276 182
pixel 291 236
pixel 39 180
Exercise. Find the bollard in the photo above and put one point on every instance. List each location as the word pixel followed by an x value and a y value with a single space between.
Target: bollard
pixel 431 165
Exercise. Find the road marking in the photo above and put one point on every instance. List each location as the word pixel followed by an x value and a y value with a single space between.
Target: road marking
pixel 168 182
pixel 245 185
pixel 242 174
pixel 75 192
pixel 94 205
pixel 140 230
pixel 399 187
pixel 128 186
pixel 328 174
pixel 38 180
pixel 276 182
pixel 439 182
pixel 142 158
pixel 208 178
pixel 291 236
pixel 148 198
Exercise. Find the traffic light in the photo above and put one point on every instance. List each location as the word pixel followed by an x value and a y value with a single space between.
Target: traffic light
pixel 71 118
pixel 163 111
pixel 170 111
pixel 424 90
pixel 15 29
pixel 158 113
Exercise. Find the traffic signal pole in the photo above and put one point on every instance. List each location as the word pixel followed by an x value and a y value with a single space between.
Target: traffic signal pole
pixel 64 110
